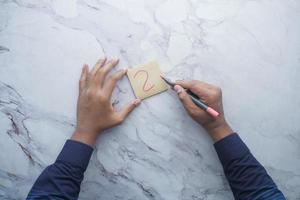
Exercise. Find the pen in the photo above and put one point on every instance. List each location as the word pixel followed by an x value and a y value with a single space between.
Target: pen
pixel 195 99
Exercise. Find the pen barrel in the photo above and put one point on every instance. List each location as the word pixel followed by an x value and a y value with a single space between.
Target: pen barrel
pixel 203 106
pixel 199 103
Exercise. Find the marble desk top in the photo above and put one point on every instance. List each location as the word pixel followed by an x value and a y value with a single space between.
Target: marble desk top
pixel 249 48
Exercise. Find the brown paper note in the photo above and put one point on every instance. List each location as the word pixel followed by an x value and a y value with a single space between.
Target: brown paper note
pixel 145 80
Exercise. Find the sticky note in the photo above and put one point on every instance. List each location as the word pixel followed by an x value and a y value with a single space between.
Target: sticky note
pixel 145 80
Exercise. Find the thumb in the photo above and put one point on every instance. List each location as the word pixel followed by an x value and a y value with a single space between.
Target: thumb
pixel 128 108
pixel 185 99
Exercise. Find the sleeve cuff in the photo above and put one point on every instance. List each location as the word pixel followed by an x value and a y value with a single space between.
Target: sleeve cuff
pixel 75 153
pixel 230 148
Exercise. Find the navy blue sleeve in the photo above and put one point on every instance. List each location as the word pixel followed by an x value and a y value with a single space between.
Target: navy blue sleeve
pixel 247 178
pixel 62 179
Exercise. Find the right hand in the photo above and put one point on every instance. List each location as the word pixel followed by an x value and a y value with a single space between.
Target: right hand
pixel 210 95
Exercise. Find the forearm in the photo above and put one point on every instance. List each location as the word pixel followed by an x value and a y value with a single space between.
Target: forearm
pixel 247 178
pixel 62 179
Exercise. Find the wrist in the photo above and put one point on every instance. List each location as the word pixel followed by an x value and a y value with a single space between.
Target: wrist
pixel 219 131
pixel 85 136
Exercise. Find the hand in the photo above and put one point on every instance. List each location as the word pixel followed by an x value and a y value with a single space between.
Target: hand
pixel 95 112
pixel 212 96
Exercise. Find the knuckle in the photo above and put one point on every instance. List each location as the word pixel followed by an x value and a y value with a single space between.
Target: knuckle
pixel 120 119
pixel 82 82
pixel 183 98
pixel 192 111
pixel 89 93
pixel 112 63
pixel 114 78
pixel 105 70
pixel 217 91
pixel 193 82
pixel 101 97
pixel 100 71
pixel 109 65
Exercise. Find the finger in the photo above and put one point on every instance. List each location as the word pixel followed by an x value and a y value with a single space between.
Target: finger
pixel 186 100
pixel 97 66
pixel 197 87
pixel 127 109
pixel 83 77
pixel 112 81
pixel 101 74
pixel 189 84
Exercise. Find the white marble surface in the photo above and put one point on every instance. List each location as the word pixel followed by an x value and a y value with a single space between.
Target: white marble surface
pixel 250 48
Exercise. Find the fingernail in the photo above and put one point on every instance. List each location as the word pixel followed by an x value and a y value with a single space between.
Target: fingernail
pixel 137 102
pixel 125 70
pixel 178 89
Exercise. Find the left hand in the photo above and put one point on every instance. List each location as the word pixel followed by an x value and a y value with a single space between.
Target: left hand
pixel 95 112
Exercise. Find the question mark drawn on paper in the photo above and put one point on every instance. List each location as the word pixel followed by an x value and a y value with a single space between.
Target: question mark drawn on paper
pixel 147 77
